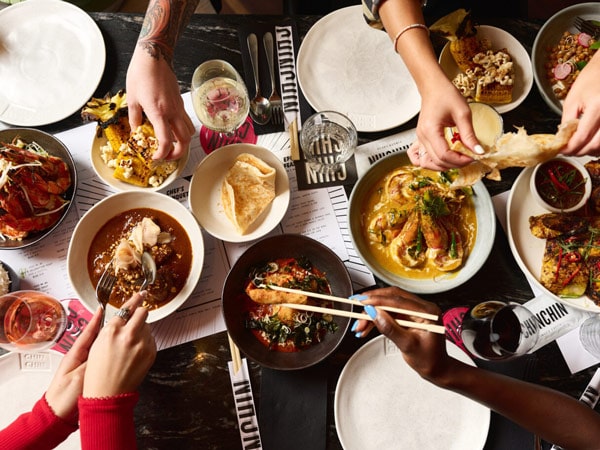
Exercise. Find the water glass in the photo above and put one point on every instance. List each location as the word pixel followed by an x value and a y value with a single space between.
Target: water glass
pixel 30 321
pixel 589 335
pixel 328 139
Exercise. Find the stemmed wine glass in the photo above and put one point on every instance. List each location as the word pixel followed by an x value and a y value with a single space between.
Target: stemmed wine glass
pixel 221 102
pixel 30 321
pixel 495 330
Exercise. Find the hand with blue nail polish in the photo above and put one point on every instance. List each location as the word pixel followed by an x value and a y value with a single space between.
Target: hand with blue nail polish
pixel 524 403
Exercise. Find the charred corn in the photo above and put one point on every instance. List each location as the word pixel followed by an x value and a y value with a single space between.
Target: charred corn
pixel 463 51
pixel 493 93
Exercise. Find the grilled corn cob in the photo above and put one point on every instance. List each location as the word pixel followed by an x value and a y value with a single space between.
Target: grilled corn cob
pixel 461 33
pixel 463 50
pixel 493 93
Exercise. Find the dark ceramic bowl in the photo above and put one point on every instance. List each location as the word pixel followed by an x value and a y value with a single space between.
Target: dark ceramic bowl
pixel 56 148
pixel 284 246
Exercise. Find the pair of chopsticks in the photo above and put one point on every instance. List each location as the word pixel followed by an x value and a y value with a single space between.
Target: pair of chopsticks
pixel 235 355
pixel 434 328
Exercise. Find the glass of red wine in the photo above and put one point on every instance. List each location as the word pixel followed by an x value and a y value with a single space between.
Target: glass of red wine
pixel 30 321
pixel 495 330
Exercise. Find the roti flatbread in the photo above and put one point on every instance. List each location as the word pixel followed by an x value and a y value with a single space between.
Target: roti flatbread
pixel 247 190
pixel 512 150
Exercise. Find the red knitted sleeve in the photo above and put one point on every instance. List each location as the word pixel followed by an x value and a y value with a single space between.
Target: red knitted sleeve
pixel 39 429
pixel 107 423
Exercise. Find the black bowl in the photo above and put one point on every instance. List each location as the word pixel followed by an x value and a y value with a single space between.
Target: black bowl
pixel 55 148
pixel 284 246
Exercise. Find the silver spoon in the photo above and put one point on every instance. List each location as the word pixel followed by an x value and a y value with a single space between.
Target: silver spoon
pixel 260 107
pixel 149 269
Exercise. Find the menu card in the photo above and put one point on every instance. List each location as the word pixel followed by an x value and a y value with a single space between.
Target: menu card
pixel 318 213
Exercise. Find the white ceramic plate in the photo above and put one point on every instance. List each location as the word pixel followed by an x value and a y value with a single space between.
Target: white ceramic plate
pixel 548 37
pixel 106 173
pixel 205 194
pixel 99 214
pixel 346 66
pixel 486 231
pixel 521 63
pixel 382 403
pixel 526 248
pixel 23 380
pixel 52 58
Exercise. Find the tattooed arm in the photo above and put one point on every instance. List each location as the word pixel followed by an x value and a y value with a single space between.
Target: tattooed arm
pixel 151 83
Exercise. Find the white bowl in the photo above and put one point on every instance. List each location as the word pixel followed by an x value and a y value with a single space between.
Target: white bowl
pixel 486 230
pixel 99 214
pixel 205 194
pixel 577 165
pixel 106 173
pixel 521 63
pixel 548 37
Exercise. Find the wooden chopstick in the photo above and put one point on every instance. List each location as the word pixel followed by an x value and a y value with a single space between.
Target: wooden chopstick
pixel 338 312
pixel 352 302
pixel 235 355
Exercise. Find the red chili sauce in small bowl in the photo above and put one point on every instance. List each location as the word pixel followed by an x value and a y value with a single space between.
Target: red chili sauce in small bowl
pixel 561 184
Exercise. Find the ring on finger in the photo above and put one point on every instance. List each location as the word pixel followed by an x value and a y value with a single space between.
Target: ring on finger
pixel 124 313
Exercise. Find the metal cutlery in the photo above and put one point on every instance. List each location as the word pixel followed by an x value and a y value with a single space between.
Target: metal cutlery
pixel 149 269
pixel 104 288
pixel 260 107
pixel 587 26
pixel 275 98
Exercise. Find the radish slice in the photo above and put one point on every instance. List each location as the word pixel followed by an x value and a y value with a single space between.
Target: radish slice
pixel 584 39
pixel 562 71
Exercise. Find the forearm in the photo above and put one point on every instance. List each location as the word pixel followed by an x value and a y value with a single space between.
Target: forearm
pixel 554 416
pixel 414 45
pixel 164 21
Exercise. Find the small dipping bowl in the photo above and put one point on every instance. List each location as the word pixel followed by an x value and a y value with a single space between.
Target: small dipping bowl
pixel 561 184
pixel 487 124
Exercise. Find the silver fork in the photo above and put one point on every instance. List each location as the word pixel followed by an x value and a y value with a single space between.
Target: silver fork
pixel 275 98
pixel 104 288
pixel 587 26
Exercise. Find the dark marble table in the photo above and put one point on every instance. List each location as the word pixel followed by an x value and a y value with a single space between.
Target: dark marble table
pixel 186 399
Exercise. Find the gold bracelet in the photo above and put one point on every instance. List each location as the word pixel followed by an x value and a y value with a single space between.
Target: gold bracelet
pixel 405 29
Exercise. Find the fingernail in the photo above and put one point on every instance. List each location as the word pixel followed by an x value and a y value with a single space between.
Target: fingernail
pixel 358 334
pixel 479 149
pixel 371 311
pixel 359 297
pixel 144 293
pixel 354 326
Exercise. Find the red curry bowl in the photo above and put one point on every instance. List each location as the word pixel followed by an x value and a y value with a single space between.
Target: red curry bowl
pixel 270 249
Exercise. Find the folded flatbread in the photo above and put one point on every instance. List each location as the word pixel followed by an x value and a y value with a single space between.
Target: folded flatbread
pixel 247 190
pixel 512 150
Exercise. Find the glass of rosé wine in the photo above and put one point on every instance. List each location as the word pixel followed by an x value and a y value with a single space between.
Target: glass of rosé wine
pixel 220 100
pixel 30 321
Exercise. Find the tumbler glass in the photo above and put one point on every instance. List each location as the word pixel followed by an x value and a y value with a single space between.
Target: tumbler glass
pixel 328 139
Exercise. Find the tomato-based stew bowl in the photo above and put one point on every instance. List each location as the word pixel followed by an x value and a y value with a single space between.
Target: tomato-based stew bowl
pixel 281 337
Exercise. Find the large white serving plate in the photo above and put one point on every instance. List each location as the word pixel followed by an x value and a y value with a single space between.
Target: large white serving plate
pixel 52 58
pixel 382 403
pixel 521 63
pixel 346 66
pixel 526 248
